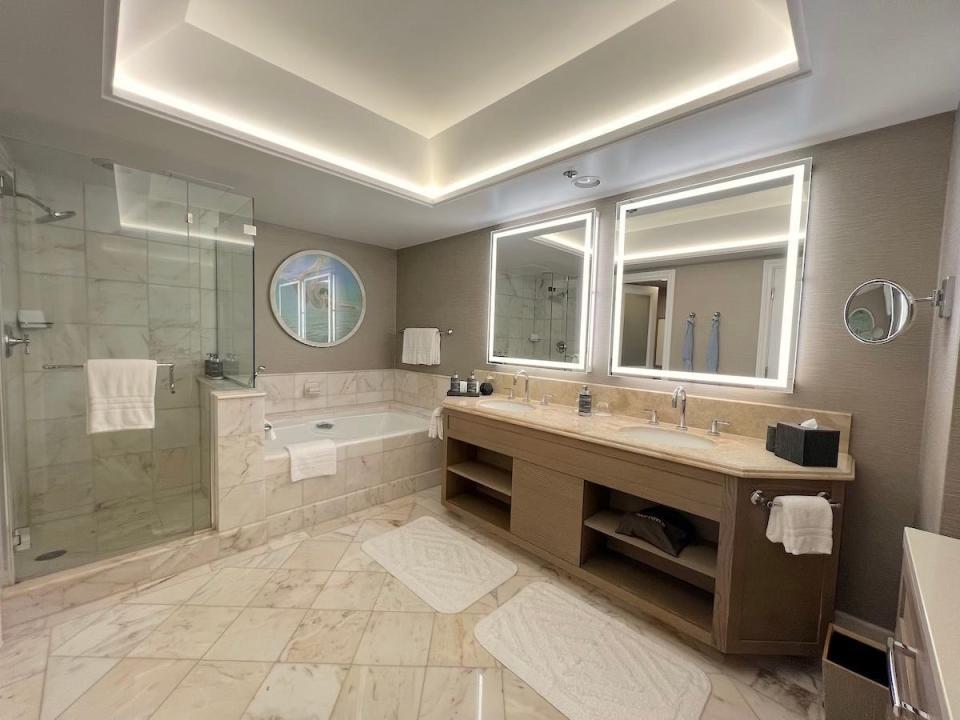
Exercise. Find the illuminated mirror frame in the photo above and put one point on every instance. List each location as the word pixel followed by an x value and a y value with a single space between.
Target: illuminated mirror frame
pixel 799 172
pixel 589 219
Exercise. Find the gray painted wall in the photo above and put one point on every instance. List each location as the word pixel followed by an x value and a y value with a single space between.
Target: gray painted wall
pixel 877 204
pixel 371 348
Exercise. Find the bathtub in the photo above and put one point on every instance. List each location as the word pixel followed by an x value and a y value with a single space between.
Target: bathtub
pixel 344 429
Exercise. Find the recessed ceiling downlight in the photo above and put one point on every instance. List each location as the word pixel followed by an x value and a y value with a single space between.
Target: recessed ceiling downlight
pixel 586 181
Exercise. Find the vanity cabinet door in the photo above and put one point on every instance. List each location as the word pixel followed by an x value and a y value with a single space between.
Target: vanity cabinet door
pixel 547 509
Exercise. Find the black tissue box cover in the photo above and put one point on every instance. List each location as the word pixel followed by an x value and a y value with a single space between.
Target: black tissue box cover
pixel 811 447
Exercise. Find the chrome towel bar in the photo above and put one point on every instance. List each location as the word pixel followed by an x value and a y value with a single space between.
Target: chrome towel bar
pixel 169 366
pixel 448 331
pixel 758 497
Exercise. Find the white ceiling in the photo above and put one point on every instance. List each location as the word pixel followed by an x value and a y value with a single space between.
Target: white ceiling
pixel 431 99
pixel 873 63
pixel 425 65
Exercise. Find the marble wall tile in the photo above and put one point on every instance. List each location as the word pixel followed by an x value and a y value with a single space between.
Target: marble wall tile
pixel 63 299
pixel 173 307
pixel 100 204
pixel 282 494
pixel 179 427
pixel 236 416
pixel 323 488
pixel 119 341
pixel 176 467
pixel 364 472
pixel 123 476
pixel 52 249
pixel 173 264
pixel 60 491
pixel 64 343
pixel 279 391
pixel 112 302
pixel 284 523
pixel 174 344
pixel 185 376
pixel 237 540
pixel 342 383
pixel 119 443
pixel 239 460
pixel 54 394
pixel 310 391
pixel 57 441
pixel 241 505
pixel 208 309
pixel 325 510
pixel 113 257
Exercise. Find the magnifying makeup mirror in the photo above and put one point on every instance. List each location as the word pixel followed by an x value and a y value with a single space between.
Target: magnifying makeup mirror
pixel 878 310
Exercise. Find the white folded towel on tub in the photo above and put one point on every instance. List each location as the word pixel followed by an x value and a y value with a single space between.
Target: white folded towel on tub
pixel 436 424
pixel 421 346
pixel 312 459
pixel 803 523
pixel 120 395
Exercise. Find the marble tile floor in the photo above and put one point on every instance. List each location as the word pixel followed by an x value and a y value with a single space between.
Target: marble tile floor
pixel 309 626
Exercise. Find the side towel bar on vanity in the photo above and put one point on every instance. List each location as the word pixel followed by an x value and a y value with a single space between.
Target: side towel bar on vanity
pixel 758 497
pixel 169 366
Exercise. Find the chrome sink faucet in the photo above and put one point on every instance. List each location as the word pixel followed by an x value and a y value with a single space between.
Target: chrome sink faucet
pixel 526 384
pixel 680 400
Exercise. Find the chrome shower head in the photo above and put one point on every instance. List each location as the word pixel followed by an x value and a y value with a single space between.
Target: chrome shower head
pixel 54 216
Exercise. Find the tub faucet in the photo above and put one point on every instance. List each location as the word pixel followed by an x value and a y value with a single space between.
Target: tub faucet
pixel 268 429
pixel 680 400
pixel 526 384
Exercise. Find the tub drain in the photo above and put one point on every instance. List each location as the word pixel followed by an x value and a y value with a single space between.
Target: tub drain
pixel 324 426
pixel 52 555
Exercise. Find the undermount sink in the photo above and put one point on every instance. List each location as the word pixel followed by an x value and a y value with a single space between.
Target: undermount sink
pixel 507 406
pixel 664 437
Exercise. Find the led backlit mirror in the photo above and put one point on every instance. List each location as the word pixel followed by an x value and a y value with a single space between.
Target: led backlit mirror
pixel 708 280
pixel 540 283
pixel 317 298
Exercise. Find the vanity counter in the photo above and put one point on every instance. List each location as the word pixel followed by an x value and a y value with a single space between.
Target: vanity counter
pixel 732 455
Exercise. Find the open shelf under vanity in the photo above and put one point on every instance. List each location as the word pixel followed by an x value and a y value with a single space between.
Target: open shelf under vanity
pixel 562 499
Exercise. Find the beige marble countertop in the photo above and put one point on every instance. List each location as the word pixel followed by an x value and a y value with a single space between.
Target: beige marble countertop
pixel 731 454
pixel 933 562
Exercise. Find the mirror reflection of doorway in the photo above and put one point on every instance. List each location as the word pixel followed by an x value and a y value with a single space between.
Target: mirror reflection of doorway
pixel 647 309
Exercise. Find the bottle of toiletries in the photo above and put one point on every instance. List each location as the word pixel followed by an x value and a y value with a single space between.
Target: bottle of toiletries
pixel 585 402
pixel 472 385
pixel 213 366
pixel 455 383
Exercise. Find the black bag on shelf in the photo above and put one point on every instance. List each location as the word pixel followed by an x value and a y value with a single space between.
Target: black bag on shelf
pixel 660 526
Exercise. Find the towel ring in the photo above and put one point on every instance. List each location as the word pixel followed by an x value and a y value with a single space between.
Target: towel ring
pixel 758 497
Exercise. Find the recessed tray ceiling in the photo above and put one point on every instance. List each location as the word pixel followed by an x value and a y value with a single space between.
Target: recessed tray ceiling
pixel 431 99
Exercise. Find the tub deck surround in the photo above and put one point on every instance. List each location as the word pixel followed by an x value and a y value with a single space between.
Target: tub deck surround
pixel 557 484
pixel 734 455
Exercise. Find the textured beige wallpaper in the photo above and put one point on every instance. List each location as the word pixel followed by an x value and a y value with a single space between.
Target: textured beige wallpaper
pixel 370 348
pixel 877 204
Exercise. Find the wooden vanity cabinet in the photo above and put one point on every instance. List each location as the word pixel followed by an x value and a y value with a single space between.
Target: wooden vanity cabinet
pixel 560 498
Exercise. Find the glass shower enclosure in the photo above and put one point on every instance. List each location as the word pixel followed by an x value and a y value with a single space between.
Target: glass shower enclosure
pixel 99 260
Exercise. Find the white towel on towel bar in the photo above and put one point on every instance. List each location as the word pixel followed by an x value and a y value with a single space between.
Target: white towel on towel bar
pixel 312 459
pixel 120 395
pixel 421 346
pixel 803 523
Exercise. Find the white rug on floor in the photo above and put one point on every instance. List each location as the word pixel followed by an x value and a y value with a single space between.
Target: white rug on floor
pixel 587 664
pixel 445 568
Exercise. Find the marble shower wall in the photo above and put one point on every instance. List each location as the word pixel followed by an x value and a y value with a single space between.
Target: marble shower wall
pixel 111 290
pixel 527 309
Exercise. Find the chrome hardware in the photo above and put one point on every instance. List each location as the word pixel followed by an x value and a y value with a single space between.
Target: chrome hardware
pixel 547 397
pixel 526 384
pixel 21 539
pixel 10 342
pixel 715 426
pixel 680 399
pixel 171 367
pixel 900 705
pixel 261 369
pixel 653 417
pixel 313 390
pixel 758 497
pixel 267 426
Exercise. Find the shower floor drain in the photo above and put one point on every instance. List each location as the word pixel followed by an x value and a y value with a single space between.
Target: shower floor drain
pixel 52 555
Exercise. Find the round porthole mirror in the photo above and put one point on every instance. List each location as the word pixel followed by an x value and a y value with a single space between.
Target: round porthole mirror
pixel 317 298
pixel 878 311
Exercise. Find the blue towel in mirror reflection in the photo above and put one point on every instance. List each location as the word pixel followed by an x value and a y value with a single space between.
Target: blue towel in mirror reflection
pixel 688 345
pixel 713 348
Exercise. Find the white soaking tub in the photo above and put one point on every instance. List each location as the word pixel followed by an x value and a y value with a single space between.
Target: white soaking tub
pixel 344 429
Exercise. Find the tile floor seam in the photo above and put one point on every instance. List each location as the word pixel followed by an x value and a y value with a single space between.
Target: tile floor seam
pixel 173 689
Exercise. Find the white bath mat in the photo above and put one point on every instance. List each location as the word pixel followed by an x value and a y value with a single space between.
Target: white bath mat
pixel 445 568
pixel 588 665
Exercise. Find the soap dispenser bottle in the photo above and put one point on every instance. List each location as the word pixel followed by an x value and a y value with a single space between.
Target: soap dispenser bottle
pixel 585 402
pixel 472 385
pixel 454 384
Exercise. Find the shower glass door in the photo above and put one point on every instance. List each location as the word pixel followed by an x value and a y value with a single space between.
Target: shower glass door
pixel 105 261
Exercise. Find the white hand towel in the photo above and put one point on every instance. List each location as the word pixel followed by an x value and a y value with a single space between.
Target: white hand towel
pixel 312 459
pixel 120 395
pixel 803 523
pixel 436 424
pixel 421 346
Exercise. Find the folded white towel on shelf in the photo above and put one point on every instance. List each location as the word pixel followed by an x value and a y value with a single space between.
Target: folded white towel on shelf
pixel 436 424
pixel 120 395
pixel 803 523
pixel 312 459
pixel 421 346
